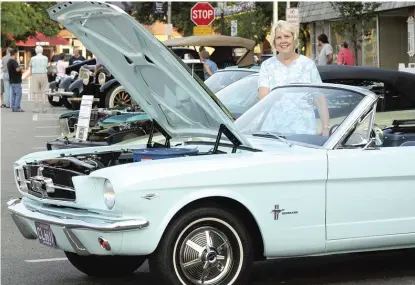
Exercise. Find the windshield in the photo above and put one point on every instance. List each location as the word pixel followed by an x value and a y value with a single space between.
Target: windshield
pixel 298 113
pixel 240 96
pixel 220 80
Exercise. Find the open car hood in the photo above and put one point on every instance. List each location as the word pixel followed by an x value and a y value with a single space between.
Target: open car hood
pixel 153 75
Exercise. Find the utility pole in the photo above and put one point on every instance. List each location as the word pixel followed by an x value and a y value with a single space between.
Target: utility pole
pixel 275 13
pixel 169 17
pixel 222 5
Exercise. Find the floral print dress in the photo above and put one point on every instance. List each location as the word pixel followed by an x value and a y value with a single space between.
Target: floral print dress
pixel 294 113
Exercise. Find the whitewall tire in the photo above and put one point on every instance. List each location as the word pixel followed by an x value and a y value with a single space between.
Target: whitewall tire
pixel 208 246
pixel 117 96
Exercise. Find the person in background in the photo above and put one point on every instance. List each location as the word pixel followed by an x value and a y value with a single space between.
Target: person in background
pixel 288 67
pixel 6 79
pixel 326 51
pixel 209 67
pixel 39 72
pixel 77 57
pixel 345 56
pixel 15 77
pixel 60 67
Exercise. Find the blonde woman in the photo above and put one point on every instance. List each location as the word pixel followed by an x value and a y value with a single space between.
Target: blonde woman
pixel 288 67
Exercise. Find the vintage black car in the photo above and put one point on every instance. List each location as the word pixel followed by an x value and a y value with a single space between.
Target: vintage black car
pixel 107 91
pixel 114 94
pixel 59 89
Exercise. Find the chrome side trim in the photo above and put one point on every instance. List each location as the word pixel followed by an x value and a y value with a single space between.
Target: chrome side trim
pixel 76 244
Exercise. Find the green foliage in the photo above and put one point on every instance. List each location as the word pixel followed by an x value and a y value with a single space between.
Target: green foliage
pixel 355 21
pixel 20 20
pixel 251 25
pixel 254 24
pixel 180 15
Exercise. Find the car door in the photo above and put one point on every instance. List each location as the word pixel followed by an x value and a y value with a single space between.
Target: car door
pixel 370 195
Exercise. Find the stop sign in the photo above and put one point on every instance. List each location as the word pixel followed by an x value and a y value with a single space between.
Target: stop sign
pixel 202 14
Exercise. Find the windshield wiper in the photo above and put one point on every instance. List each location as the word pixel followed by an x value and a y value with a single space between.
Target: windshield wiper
pixel 274 136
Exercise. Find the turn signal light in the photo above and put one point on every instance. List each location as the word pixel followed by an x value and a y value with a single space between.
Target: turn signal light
pixel 104 243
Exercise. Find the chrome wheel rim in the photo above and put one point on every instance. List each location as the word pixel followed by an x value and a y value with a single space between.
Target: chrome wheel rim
pixel 206 256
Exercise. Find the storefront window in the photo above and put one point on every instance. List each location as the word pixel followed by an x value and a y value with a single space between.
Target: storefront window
pixel 337 36
pixel 370 44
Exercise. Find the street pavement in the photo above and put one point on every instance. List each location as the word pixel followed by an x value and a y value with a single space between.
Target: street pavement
pixel 26 262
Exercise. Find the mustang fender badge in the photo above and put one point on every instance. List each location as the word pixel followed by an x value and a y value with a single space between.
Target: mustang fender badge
pixel 277 211
pixel 149 196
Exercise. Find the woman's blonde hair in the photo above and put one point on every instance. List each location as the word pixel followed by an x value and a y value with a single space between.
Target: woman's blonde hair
pixel 286 27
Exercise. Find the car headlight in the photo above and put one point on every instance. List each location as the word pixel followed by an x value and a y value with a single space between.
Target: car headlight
pixel 109 194
pixel 85 78
pixel 73 74
pixel 101 78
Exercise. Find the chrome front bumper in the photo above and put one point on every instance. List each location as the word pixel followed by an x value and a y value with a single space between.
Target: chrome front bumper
pixel 59 93
pixel 24 219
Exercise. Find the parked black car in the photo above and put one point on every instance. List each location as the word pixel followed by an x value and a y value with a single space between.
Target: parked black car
pixel 107 91
pixel 114 95
pixel 59 90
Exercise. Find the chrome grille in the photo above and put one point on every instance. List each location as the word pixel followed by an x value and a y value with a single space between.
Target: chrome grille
pixel 49 182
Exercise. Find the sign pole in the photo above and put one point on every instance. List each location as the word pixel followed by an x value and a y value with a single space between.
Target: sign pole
pixel 169 17
pixel 275 13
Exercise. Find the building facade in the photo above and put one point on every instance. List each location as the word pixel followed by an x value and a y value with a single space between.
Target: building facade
pixel 386 43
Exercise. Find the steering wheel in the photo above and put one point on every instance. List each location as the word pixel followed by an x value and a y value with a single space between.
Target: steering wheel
pixel 332 129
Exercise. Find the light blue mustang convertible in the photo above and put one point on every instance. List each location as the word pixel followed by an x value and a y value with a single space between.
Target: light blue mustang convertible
pixel 216 195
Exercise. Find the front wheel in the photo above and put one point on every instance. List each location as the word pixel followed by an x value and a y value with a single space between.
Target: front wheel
pixel 204 246
pixel 105 266
pixel 117 96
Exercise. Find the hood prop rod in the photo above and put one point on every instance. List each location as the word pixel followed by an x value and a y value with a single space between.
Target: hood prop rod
pixel 223 129
pixel 156 126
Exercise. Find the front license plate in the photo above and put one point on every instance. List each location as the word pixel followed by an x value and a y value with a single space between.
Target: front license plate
pixel 56 98
pixel 45 234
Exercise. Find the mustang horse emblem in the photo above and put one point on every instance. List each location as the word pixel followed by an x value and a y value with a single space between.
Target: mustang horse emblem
pixel 277 211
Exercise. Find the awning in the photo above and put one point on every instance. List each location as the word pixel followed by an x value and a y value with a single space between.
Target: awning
pixel 42 40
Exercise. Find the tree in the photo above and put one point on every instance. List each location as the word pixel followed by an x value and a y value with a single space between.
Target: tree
pixel 180 15
pixel 253 24
pixel 355 20
pixel 20 20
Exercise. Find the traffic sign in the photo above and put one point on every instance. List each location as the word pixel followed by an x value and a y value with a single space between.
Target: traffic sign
pixel 293 16
pixel 202 14
pixel 202 31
